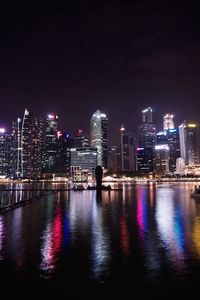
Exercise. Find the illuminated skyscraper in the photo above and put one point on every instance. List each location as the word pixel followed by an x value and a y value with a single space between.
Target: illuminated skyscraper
pixel 189 144
pixel 146 141
pixel 5 153
pixel 147 116
pixel 37 141
pixel 27 140
pixel 21 146
pixel 161 159
pixel 99 137
pixel 51 144
pixel 147 130
pixel 170 137
pixel 168 122
pixel 173 142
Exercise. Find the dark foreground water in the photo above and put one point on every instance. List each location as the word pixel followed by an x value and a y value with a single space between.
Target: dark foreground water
pixel 142 241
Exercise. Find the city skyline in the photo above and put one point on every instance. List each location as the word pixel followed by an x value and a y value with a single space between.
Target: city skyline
pixel 36 147
pixel 113 128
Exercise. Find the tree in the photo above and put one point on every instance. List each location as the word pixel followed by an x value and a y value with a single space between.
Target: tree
pixel 99 176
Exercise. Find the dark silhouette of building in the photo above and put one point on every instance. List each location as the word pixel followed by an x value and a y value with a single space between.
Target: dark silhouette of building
pixel 127 151
pixel 146 141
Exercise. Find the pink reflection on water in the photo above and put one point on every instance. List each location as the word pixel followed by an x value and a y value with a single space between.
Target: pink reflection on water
pixel 141 213
pixel 51 245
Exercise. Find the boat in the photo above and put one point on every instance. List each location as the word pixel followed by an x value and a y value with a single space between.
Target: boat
pixel 196 193
pixel 104 188
pixel 78 187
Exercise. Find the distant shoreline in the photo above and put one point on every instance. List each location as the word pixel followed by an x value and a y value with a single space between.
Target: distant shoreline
pixel 130 180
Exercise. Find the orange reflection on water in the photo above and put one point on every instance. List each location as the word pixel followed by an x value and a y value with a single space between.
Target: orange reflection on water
pixel 196 230
pixel 151 194
pixel 124 236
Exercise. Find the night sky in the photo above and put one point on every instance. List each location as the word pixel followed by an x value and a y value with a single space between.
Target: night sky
pixel 115 56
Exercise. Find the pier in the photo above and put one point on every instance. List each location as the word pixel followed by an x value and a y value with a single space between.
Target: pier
pixel 23 196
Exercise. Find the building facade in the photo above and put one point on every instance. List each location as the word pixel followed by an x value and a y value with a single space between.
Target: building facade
pixel 27 142
pixel 145 163
pixel 50 149
pixel 161 159
pixel 173 142
pixel 83 163
pixel 168 121
pixel 80 139
pixel 114 159
pixel 189 143
pixel 127 151
pixel 63 157
pixel 99 137
pixel 5 153
pixel 170 137
pixel 146 142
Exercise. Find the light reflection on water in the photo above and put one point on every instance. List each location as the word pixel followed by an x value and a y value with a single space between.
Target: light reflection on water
pixel 146 230
pixel 51 243
pixel 99 241
pixel 170 227
pixel 2 236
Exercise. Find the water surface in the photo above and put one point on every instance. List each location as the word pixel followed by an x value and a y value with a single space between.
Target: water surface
pixel 145 239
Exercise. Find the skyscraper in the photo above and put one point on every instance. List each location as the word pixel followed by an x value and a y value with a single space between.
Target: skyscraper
pixel 5 153
pixel 161 159
pixel 27 140
pixel 51 144
pixel 37 141
pixel 145 160
pixel 168 122
pixel 65 143
pixel 80 139
pixel 147 116
pixel 147 130
pixel 127 150
pixel 146 141
pixel 173 142
pixel 99 137
pixel 21 146
pixel 170 137
pixel 189 144
pixel 114 159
